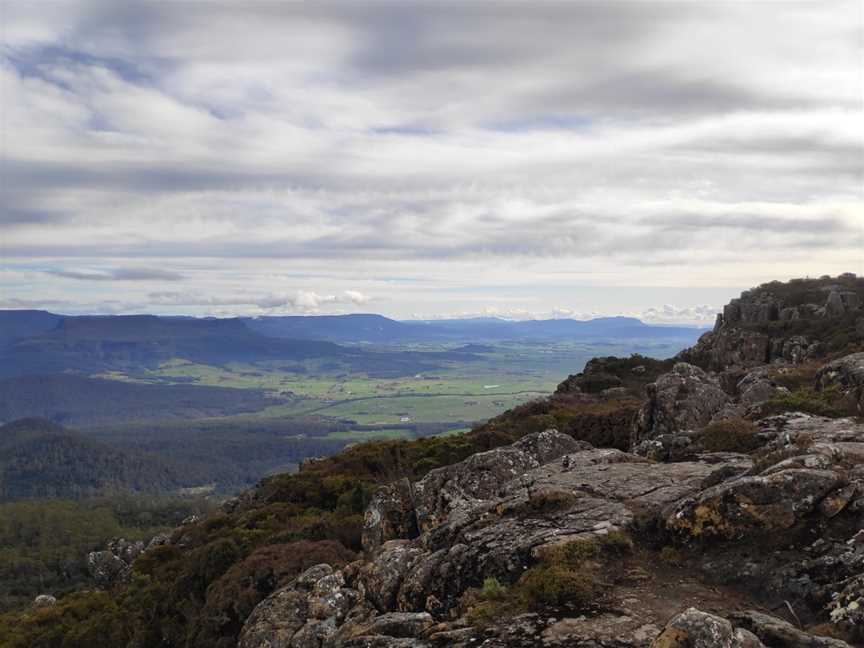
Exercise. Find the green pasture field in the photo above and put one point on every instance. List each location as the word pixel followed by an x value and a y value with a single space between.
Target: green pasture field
pixel 499 378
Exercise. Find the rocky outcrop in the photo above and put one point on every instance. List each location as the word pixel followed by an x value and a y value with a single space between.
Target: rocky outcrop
pixel 756 328
pixel 401 510
pixel 687 398
pixel 494 514
pixel 113 565
pixel 841 302
pixel 595 378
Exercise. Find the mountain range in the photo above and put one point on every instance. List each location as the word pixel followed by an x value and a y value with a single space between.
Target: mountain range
pixel 39 342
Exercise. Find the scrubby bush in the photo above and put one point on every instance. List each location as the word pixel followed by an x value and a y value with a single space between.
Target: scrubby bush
pixel 827 402
pixel 731 435
pixel 569 575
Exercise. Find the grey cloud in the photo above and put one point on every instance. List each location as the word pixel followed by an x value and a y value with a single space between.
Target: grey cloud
pixel 119 274
pixel 12 216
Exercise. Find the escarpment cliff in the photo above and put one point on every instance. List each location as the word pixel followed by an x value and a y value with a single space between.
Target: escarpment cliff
pixel 711 500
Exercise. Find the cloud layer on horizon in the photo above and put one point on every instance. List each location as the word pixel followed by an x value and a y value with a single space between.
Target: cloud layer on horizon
pixel 423 156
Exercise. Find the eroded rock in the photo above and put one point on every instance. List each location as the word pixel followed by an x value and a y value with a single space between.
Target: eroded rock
pixel 685 399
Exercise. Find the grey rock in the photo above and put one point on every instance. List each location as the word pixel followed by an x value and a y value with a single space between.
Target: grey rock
pixel 398 624
pixel 44 601
pixel 693 628
pixel 581 495
pixel 158 540
pixel 757 387
pixel 106 568
pixel 480 476
pixel 790 314
pixel 685 399
pixel 303 614
pixel 390 515
pixel 666 447
pixel 748 505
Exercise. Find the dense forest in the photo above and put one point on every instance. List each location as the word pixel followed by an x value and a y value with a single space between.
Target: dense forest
pixel 44 544
pixel 78 400
pixel 39 459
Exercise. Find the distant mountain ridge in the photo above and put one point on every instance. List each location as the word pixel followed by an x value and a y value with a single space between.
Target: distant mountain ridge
pixel 39 342
pixel 91 344
pixel 379 329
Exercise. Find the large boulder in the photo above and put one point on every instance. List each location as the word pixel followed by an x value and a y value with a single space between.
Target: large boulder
pixel 687 398
pixel 748 505
pixel 757 387
pixel 113 566
pixel 107 569
pixel 44 601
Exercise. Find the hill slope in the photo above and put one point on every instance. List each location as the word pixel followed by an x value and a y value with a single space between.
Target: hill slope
pixel 76 400
pixel 39 459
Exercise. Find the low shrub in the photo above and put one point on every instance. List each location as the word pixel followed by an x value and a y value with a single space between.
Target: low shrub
pixel 569 575
pixel 827 402
pixel 731 435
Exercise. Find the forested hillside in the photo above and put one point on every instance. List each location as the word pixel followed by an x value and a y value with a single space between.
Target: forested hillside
pixel 77 400
pixel 44 544
pixel 39 459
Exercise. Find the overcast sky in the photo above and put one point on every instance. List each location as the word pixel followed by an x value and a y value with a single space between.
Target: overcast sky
pixel 426 159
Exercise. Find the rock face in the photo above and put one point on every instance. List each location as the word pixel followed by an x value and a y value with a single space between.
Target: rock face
pixel 745 334
pixel 401 510
pixel 687 398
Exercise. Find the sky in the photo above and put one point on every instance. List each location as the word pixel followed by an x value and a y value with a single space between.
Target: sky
pixel 426 159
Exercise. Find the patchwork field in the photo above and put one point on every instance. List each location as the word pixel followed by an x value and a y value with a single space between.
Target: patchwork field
pixel 487 381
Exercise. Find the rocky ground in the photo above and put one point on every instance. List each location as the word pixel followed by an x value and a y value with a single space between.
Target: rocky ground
pixel 734 520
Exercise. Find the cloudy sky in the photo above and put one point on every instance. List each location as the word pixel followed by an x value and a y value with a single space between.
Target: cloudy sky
pixel 422 159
